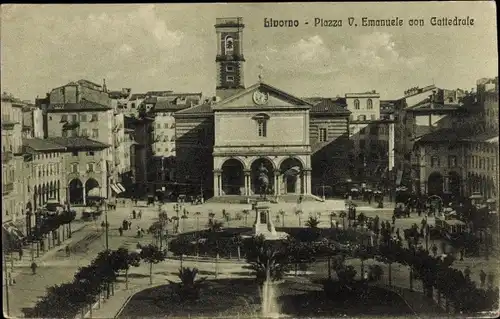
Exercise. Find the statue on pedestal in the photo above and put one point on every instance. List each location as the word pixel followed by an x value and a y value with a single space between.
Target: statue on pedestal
pixel 263 179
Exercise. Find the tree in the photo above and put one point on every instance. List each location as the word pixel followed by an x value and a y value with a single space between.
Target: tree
pixel 361 218
pixel 282 213
pixel 299 214
pixel 312 222
pixel 387 255
pixel 122 259
pixel 266 258
pixel 214 225
pixel 343 215
pixel 363 253
pixel 189 288
pixel 238 241
pixel 298 252
pixel 153 255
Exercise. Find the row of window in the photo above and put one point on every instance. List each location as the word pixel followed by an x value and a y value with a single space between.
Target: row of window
pixel 165 125
pixel 83 132
pixel 483 148
pixel 436 161
pixel 90 167
pixel 373 117
pixel 90 153
pixel 478 162
pixel 74 118
pixel 369 104
pixel 44 170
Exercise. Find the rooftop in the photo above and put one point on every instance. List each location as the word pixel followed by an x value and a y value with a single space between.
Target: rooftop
pixel 40 145
pixel 77 143
pixel 168 106
pixel 330 106
pixel 81 106
pixel 205 108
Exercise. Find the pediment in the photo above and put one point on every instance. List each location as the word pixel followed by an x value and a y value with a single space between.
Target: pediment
pixel 271 97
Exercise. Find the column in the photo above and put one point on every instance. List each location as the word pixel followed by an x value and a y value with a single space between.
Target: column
pixel 276 182
pixel 247 182
pixel 307 182
pixel 84 196
pixel 216 182
pixel 219 179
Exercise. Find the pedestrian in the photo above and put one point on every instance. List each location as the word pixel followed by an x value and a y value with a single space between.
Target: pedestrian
pixel 20 253
pixel 140 214
pixel 467 273
pixel 129 224
pixel 42 245
pixel 133 214
pixel 120 230
pixel 397 232
pixel 482 277
pixel 491 280
pixel 434 249
pixel 67 251
pixel 34 266
pixel 393 219
pixel 392 230
pixel 365 276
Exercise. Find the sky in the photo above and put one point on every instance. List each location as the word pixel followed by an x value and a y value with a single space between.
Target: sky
pixel 173 47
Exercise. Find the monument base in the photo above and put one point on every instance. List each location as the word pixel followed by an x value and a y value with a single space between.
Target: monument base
pixel 263 223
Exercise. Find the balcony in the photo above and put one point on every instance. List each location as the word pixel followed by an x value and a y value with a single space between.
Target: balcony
pixel 7 188
pixel 7 124
pixel 71 126
pixel 232 57
pixel 6 157
pixel 229 22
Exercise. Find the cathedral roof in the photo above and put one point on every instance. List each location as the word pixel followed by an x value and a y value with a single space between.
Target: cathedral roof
pixel 330 106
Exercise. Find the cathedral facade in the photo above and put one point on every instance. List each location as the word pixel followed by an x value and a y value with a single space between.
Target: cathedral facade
pixel 225 145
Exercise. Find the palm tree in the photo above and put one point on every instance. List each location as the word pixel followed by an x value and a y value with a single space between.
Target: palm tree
pixel 184 217
pixel 266 258
pixel 237 240
pixel 214 225
pixel 246 212
pixel 282 214
pixel 299 214
pixel 332 214
pixel 197 214
pixel 189 288
pixel 312 222
pixel 343 215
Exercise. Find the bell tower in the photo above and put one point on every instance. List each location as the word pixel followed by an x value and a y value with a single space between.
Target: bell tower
pixel 229 61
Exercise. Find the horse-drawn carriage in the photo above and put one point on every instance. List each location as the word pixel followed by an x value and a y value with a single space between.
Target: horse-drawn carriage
pixel 91 214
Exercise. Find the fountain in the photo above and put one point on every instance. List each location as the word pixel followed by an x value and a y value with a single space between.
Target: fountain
pixel 270 308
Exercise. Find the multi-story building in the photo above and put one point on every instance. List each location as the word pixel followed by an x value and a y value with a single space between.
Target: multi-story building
pixel 12 163
pixel 44 171
pixel 86 168
pixel 371 136
pixel 228 141
pixel 32 122
pixel 142 168
pixel 460 155
pixel 84 109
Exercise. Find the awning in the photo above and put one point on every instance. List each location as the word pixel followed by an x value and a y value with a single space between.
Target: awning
pixel 95 192
pixel 116 189
pixel 120 186
pixel 12 234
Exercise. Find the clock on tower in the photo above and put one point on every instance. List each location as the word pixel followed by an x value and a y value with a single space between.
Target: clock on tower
pixel 230 60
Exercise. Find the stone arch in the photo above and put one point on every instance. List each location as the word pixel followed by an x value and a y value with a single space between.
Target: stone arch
pixel 435 184
pixel 233 176
pixel 280 163
pixel 454 183
pixel 75 191
pixel 255 173
pixel 291 173
pixel 91 183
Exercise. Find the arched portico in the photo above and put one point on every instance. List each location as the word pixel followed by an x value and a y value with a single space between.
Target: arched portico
pixel 75 192
pixel 454 185
pixel 291 178
pixel 435 184
pixel 233 177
